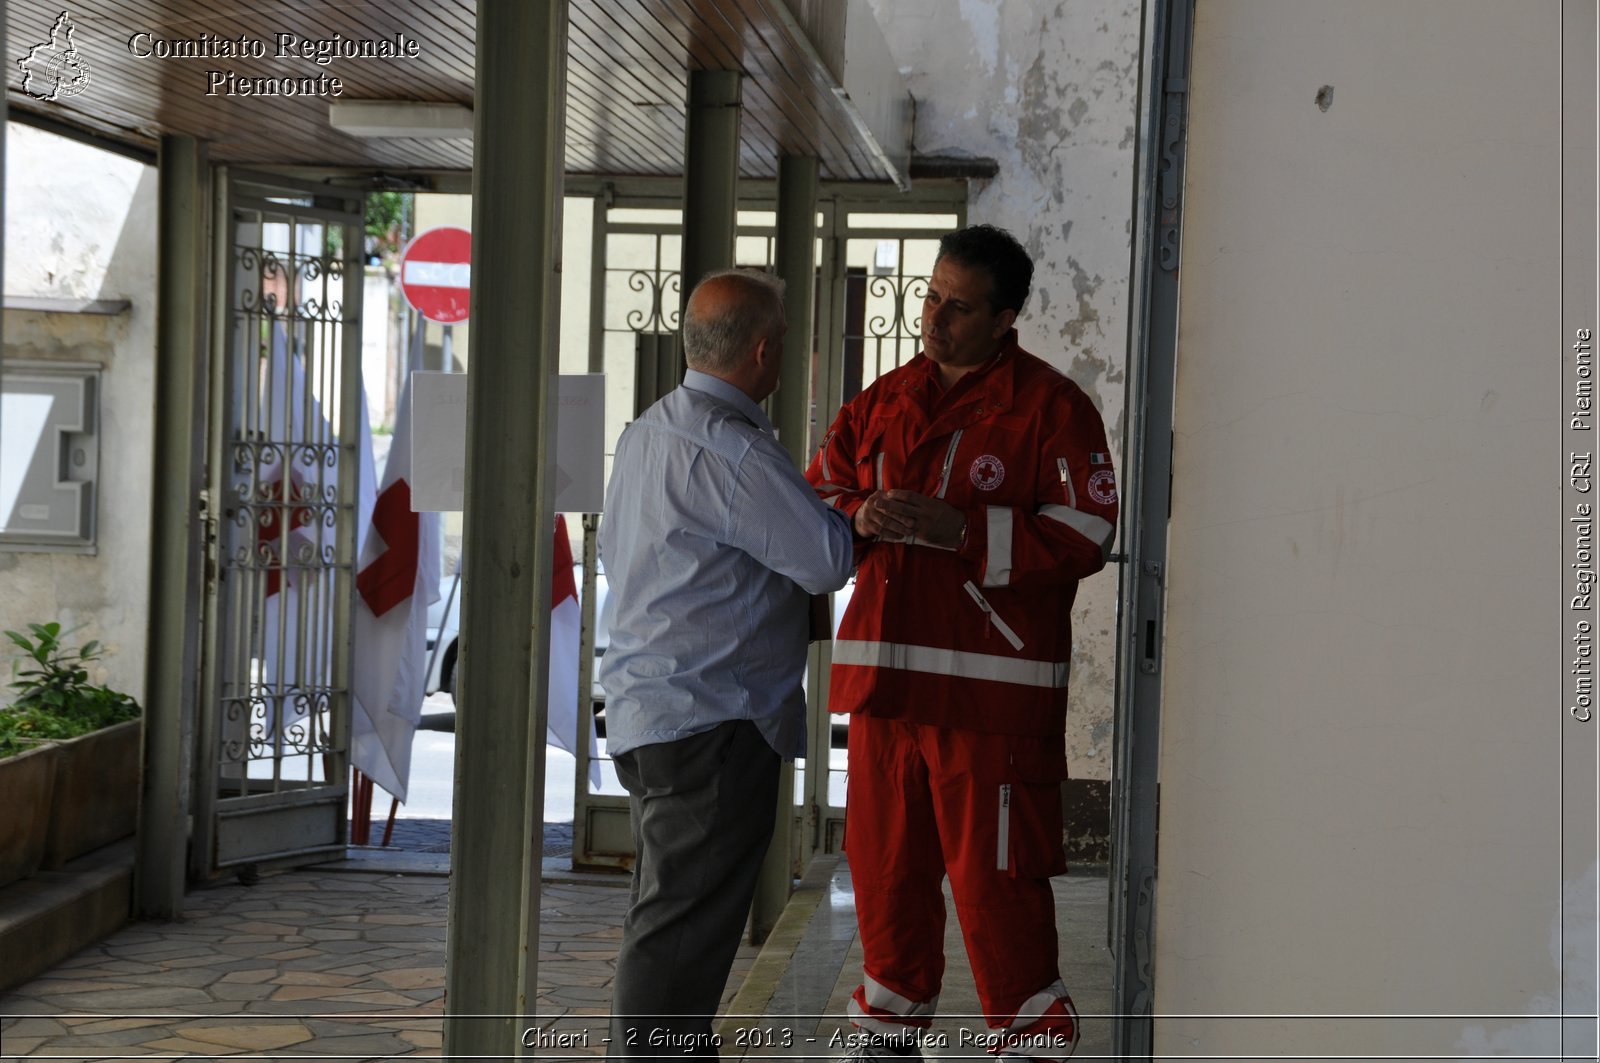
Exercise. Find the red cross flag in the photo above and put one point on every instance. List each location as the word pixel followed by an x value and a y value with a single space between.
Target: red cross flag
pixel 436 274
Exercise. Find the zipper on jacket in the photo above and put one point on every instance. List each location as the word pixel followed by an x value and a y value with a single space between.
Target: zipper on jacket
pixel 878 471
pixel 949 460
pixel 1066 482
pixel 822 452
pixel 994 618
pixel 1003 848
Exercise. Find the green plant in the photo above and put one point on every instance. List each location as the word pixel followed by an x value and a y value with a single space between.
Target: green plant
pixel 56 700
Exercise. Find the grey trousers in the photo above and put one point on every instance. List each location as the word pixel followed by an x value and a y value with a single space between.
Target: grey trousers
pixel 702 811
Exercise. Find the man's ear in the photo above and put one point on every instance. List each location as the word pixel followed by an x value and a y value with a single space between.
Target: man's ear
pixel 763 353
pixel 1004 322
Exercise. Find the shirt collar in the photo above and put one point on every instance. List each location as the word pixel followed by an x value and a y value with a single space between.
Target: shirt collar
pixel 720 389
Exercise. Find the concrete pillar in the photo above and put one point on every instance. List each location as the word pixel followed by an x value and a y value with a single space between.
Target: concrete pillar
pixel 519 102
pixel 176 525
pixel 710 174
pixel 795 257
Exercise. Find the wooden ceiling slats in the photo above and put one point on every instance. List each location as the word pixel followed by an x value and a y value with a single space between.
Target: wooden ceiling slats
pixel 596 122
pixel 807 81
pixel 661 127
pixel 790 73
pixel 753 161
pixel 770 108
pixel 628 67
pixel 758 159
pixel 706 50
pixel 647 77
pixel 458 49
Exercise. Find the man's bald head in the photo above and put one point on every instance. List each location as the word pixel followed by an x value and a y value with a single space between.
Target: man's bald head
pixel 728 314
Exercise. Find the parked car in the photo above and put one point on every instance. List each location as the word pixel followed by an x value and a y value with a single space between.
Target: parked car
pixel 445 627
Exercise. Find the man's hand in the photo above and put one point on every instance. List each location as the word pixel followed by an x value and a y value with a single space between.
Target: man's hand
pixel 882 517
pixel 896 515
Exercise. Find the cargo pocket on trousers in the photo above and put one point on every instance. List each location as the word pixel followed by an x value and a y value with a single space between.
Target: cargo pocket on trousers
pixel 1030 841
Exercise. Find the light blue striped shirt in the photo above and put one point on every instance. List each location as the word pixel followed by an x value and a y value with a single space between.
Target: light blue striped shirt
pixel 712 541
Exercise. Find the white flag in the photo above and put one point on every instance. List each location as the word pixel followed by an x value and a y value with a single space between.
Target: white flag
pixel 396 581
pixel 565 625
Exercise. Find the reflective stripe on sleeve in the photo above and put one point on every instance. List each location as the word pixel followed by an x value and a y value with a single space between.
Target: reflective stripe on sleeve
pixel 831 493
pixel 1097 530
pixel 961 663
pixel 997 569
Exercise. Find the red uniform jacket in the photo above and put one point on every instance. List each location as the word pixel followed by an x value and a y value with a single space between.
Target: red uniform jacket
pixel 979 637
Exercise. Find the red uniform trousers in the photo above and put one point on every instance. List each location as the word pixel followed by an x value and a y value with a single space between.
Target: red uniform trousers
pixel 986 809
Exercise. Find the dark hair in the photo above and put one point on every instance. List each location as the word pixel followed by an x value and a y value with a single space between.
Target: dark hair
pixel 997 253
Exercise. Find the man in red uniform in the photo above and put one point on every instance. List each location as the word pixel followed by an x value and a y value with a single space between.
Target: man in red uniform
pixel 980 487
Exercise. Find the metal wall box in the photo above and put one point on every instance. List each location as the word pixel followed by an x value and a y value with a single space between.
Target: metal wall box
pixel 49 457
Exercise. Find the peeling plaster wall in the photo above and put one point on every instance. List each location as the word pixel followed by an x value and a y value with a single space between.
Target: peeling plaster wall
pixel 1048 90
pixel 81 223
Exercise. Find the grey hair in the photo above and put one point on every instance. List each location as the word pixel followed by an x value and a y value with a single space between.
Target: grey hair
pixel 719 343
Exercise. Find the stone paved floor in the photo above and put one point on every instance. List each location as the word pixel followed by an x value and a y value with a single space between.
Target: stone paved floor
pixel 348 964
pixel 316 963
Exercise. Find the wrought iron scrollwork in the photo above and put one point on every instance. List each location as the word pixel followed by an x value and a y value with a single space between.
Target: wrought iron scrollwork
pixel 284 517
pixel 664 288
pixel 291 285
pixel 904 291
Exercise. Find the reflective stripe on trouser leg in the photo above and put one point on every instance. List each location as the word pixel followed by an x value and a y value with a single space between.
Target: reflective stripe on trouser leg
pixel 1008 915
pixel 1045 1027
pixel 879 1009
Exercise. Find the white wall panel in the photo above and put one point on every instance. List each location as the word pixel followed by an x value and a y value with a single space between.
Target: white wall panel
pixel 1362 691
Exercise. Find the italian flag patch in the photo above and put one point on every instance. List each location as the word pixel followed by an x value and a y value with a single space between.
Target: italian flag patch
pixel 1096 458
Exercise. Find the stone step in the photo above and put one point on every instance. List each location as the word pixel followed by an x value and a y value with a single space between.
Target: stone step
pixel 46 918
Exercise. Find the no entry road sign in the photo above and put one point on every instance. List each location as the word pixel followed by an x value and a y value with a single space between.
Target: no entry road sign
pixel 436 274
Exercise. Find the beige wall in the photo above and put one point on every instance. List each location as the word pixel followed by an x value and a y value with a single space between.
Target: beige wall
pixel 81 224
pixel 1362 690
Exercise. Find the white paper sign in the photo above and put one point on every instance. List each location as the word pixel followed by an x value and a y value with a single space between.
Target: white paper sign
pixel 439 442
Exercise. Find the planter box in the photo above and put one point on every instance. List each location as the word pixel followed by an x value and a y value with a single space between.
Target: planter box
pixel 96 798
pixel 26 785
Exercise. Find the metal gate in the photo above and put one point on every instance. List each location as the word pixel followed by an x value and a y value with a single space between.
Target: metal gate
pixel 877 258
pixel 872 274
pixel 275 722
